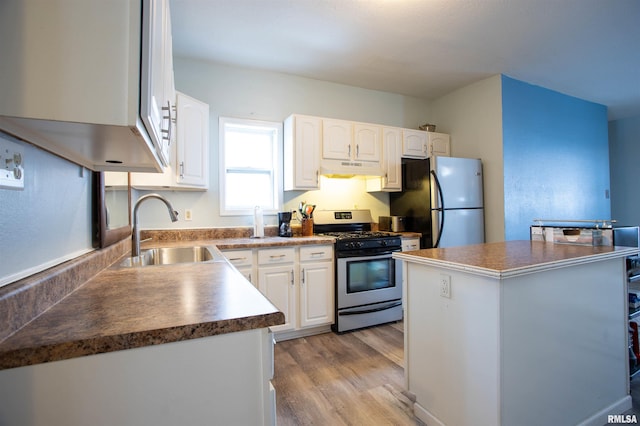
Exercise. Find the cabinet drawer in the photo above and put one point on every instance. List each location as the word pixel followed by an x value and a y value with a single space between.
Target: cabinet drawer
pixel 239 257
pixel 276 255
pixel 316 253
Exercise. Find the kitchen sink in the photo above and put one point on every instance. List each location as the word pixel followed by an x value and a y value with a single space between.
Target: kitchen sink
pixel 173 255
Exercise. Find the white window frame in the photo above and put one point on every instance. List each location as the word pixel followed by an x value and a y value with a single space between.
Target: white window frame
pixel 276 170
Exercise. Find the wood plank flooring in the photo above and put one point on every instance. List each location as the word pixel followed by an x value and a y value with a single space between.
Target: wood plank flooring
pixel 355 378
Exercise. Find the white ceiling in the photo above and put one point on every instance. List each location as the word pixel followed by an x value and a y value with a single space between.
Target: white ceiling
pixel 589 49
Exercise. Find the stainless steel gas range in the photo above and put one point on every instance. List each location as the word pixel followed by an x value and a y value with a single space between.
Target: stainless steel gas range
pixel 368 280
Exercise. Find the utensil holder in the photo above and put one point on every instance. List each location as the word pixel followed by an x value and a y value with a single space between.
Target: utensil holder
pixel 307 227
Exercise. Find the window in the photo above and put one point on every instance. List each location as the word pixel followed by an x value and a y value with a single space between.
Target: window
pixel 250 164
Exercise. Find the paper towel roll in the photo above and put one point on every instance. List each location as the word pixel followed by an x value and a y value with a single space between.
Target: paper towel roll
pixel 258 222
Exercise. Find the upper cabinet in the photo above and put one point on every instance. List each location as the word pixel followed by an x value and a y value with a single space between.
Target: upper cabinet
pixel 337 139
pixel 350 148
pixel 189 166
pixel 438 144
pixel 391 180
pixel 367 141
pixel 302 147
pixel 344 140
pixel 315 146
pixel 92 85
pixel 421 144
pixel 157 66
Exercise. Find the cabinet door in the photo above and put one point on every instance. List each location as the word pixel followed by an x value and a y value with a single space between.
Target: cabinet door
pixel 156 107
pixel 189 168
pixel 337 137
pixel 242 260
pixel 392 161
pixel 192 150
pixel 439 144
pixel 391 180
pixel 277 283
pixel 367 142
pixel 316 293
pixel 414 143
pixel 302 150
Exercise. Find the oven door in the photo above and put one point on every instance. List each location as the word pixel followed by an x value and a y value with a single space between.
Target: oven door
pixel 365 280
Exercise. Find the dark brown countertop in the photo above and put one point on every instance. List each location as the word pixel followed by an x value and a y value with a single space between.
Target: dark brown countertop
pixel 511 258
pixel 125 308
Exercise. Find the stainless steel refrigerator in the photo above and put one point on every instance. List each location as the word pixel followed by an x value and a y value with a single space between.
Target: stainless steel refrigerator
pixel 441 198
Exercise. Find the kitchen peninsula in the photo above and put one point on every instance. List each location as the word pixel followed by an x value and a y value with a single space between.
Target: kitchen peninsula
pixel 516 332
pixel 186 343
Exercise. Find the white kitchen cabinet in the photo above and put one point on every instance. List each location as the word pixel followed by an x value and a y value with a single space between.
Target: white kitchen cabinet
pixel 438 144
pixel 189 167
pixel 223 379
pixel 421 144
pixel 157 63
pixel 277 281
pixel 80 85
pixel 350 148
pixel 299 281
pixel 367 142
pixel 391 180
pixel 414 144
pixel 337 139
pixel 316 286
pixel 345 140
pixel 244 262
pixel 302 150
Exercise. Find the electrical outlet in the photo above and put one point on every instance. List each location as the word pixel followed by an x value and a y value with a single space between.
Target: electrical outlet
pixel 11 165
pixel 445 286
pixel 188 214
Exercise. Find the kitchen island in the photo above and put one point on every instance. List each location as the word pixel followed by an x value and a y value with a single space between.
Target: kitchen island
pixel 517 332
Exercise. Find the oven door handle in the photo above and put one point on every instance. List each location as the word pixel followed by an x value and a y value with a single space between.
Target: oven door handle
pixel 368 311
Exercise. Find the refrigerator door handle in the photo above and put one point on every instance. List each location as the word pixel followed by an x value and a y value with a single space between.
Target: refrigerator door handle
pixel 439 210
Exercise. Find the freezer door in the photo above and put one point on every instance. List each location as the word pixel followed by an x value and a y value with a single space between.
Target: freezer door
pixel 461 227
pixel 460 180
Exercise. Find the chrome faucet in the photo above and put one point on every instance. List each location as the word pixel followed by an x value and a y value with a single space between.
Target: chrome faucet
pixel 135 241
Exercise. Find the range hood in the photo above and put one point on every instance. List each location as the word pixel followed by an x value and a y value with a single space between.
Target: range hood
pixel 349 169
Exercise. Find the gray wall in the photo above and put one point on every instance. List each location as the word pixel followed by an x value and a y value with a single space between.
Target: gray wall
pixel 49 221
pixel 624 163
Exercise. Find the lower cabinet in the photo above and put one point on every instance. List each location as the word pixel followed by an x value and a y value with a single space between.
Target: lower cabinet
pixel 316 298
pixel 244 263
pixel 223 379
pixel 277 281
pixel 298 280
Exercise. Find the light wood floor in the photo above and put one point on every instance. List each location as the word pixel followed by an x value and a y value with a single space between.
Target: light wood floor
pixel 355 378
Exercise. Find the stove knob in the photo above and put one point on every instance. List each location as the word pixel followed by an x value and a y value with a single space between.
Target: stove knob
pixel 383 243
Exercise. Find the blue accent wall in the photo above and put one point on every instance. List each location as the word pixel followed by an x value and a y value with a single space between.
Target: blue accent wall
pixel 556 157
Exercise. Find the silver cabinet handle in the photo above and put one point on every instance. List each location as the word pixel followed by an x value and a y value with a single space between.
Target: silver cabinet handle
pixel 181 169
pixel 169 130
pixel 292 283
pixel 357 151
pixel 302 277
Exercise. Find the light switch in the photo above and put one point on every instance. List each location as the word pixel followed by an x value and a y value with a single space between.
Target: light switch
pixel 11 164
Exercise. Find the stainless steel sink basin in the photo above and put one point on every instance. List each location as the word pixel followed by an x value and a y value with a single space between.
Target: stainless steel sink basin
pixel 173 255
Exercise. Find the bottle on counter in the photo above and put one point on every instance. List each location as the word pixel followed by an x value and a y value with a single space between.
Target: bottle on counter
pixel 258 222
